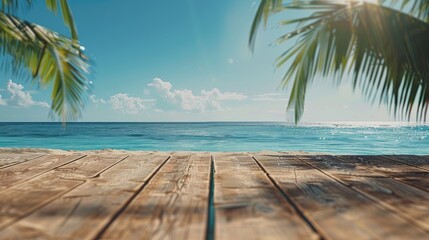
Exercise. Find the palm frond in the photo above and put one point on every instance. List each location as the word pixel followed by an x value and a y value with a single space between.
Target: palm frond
pixel 418 8
pixel 383 49
pixel 66 13
pixel 266 7
pixel 11 6
pixel 52 59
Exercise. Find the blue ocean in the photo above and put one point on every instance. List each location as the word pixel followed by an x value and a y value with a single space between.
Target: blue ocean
pixel 221 136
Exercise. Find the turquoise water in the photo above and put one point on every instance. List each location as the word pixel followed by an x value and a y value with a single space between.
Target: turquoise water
pixel 229 136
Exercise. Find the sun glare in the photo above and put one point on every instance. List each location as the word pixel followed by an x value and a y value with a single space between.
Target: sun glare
pixel 360 1
pixel 368 1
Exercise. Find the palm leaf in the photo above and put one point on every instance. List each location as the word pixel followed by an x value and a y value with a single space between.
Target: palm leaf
pixel 417 8
pixel 52 59
pixel 383 49
pixel 66 13
pixel 266 7
pixel 11 6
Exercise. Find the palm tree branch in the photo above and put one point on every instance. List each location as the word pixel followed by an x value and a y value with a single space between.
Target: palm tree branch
pixel 11 6
pixel 353 39
pixel 418 8
pixel 266 7
pixel 53 60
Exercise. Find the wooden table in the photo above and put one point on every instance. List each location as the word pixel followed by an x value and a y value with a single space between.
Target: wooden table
pixel 189 195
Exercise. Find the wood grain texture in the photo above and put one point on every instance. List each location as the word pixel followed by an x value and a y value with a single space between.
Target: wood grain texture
pixel 10 159
pixel 84 211
pixel 418 161
pixel 248 206
pixel 22 199
pixel 411 175
pixel 406 200
pixel 29 169
pixel 26 197
pixel 338 211
pixel 146 195
pixel 173 205
pixel 89 167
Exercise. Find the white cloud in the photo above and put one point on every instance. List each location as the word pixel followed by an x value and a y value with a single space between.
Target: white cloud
pixel 21 98
pixel 96 100
pixel 2 101
pixel 230 60
pixel 127 104
pixel 270 97
pixel 186 100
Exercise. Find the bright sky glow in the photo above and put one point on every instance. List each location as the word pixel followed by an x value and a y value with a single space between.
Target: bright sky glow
pixel 185 61
pixel 362 1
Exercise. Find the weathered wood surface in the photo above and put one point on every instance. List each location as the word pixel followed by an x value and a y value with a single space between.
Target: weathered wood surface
pixel 248 205
pixel 7 159
pixel 172 206
pixel 327 203
pixel 402 198
pixel 84 211
pixel 189 195
pixel 412 175
pixel 29 169
pixel 418 161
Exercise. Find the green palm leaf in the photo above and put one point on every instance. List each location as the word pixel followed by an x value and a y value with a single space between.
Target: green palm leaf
pixel 384 50
pixel 52 59
pixel 66 13
pixel 11 6
pixel 264 10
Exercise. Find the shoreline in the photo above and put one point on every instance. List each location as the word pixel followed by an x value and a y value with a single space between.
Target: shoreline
pixel 114 151
pixel 333 124
pixel 133 152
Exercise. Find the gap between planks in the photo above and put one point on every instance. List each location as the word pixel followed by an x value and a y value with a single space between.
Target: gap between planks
pixel 420 223
pixel 320 196
pixel 415 160
pixel 31 169
pixel 59 175
pixel 9 163
pixel 210 215
pixel 174 203
pixel 249 206
pixel 127 203
pixel 297 208
pixel 410 175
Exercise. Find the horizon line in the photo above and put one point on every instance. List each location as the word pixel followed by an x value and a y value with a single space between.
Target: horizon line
pixel 256 121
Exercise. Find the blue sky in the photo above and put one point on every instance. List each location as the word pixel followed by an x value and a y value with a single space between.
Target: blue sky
pixel 179 61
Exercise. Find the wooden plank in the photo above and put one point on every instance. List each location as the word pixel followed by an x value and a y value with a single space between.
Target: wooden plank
pixel 89 167
pixel 411 175
pixel 10 159
pixel 22 199
pixel 408 201
pixel 173 205
pixel 248 205
pixel 418 161
pixel 27 170
pixel 83 212
pixel 338 211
